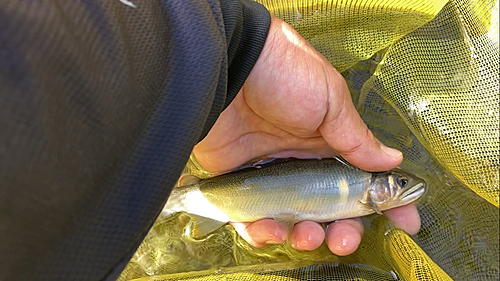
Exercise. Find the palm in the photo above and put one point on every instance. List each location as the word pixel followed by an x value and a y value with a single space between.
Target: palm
pixel 241 135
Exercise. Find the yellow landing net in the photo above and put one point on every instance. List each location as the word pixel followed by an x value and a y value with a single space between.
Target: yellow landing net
pixel 425 78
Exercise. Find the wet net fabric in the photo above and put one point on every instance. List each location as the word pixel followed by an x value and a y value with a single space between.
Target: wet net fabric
pixel 424 76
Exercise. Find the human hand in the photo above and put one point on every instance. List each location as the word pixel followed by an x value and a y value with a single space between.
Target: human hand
pixel 295 104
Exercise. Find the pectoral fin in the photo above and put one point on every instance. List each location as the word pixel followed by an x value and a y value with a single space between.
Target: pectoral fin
pixel 202 226
pixel 368 202
pixel 377 210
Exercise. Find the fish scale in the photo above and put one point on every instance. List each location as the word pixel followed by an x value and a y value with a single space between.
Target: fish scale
pixel 301 189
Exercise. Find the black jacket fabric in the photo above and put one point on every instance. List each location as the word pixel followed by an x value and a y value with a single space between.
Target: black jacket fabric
pixel 101 103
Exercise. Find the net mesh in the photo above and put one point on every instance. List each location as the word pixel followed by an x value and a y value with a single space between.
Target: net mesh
pixel 425 78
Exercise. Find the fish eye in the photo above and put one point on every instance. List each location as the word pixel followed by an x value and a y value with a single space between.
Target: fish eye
pixel 402 181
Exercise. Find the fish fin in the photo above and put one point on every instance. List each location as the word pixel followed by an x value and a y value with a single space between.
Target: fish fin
pixel 186 180
pixel 366 199
pixel 288 222
pixel 256 163
pixel 368 202
pixel 372 206
pixel 377 210
pixel 202 226
pixel 342 160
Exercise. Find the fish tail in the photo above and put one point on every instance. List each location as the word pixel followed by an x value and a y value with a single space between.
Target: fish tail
pixel 176 201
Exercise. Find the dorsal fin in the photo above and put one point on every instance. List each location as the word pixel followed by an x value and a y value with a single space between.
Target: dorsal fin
pixel 342 160
pixel 186 180
pixel 254 164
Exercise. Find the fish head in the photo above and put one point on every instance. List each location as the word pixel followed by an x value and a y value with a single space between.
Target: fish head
pixel 395 188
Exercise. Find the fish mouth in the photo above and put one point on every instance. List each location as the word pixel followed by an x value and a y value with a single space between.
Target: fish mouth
pixel 413 193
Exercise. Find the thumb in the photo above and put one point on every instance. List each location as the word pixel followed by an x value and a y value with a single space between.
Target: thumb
pixel 344 130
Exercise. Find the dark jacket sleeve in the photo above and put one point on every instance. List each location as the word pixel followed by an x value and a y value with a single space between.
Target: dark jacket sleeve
pixel 101 104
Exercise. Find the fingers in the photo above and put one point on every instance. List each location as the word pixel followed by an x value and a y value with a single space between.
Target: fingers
pixel 406 218
pixel 345 131
pixel 262 232
pixel 343 236
pixel 307 236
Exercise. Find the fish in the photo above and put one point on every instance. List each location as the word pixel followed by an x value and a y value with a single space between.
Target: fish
pixel 291 190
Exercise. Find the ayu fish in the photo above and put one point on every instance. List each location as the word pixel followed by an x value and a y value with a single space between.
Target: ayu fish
pixel 292 191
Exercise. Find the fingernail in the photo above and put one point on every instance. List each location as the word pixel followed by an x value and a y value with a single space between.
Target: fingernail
pixel 273 241
pixel 297 245
pixel 284 236
pixel 277 237
pixel 391 151
pixel 293 242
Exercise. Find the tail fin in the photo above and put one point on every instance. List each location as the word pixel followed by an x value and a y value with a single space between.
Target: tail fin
pixel 177 200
